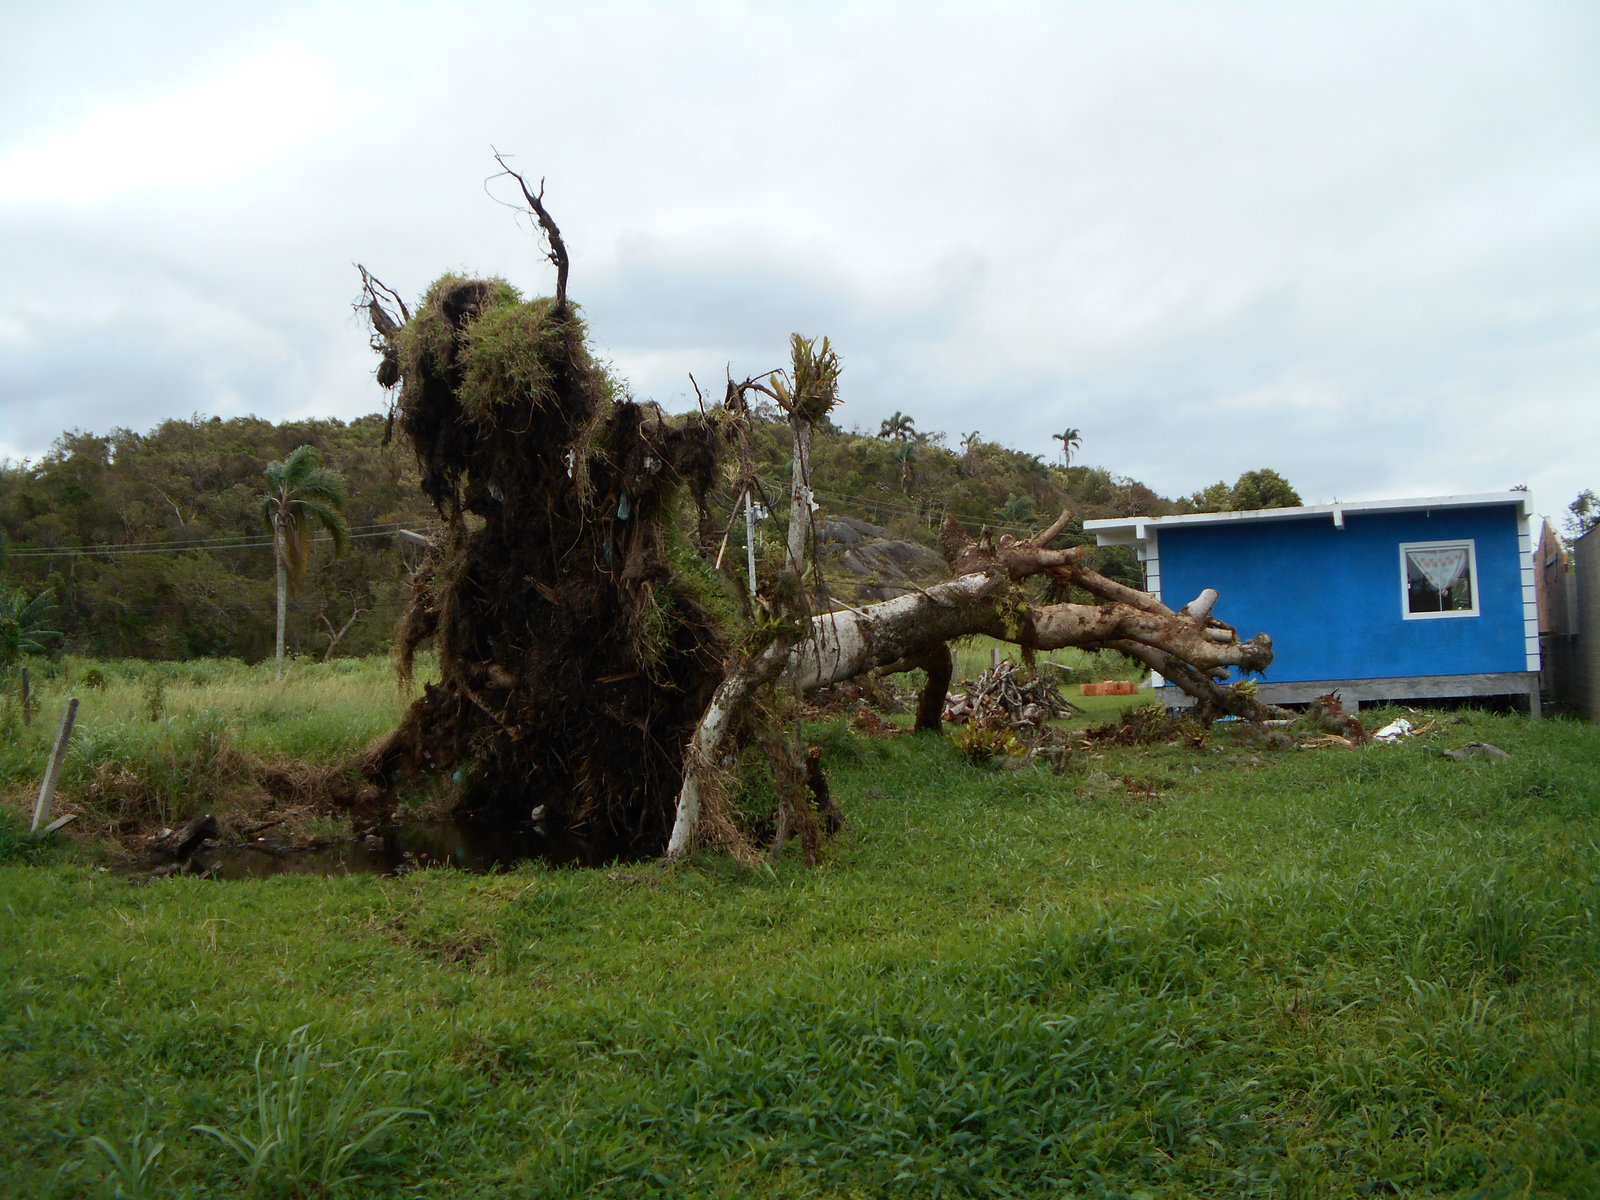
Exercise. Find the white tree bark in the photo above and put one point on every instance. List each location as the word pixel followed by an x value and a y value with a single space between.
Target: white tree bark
pixel 750 539
pixel 283 588
pixel 840 645
pixel 800 497
pixel 700 761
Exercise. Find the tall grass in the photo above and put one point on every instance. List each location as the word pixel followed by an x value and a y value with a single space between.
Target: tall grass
pixel 309 1122
pixel 160 742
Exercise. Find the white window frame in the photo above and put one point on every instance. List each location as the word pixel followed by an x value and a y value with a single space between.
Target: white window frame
pixel 1472 574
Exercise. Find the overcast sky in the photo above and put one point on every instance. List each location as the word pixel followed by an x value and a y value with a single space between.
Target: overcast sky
pixel 1358 244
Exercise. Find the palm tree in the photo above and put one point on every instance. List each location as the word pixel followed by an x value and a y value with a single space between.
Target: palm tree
pixel 899 427
pixel 301 494
pixel 22 629
pixel 1018 510
pixel 1068 440
pixel 906 455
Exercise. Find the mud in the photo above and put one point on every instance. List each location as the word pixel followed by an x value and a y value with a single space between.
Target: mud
pixel 473 846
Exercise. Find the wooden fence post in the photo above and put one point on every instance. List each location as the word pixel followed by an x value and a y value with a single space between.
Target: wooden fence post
pixel 47 790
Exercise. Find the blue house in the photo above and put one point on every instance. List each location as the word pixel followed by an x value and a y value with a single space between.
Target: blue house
pixel 1381 600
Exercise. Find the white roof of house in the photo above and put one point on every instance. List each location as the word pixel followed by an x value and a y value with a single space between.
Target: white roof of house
pixel 1126 531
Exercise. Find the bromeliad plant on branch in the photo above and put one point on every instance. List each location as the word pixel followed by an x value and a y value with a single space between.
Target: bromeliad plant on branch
pixel 594 665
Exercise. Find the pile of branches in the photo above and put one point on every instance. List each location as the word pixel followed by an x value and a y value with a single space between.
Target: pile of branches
pixel 1005 697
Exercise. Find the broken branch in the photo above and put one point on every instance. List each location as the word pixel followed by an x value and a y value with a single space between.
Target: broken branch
pixel 558 248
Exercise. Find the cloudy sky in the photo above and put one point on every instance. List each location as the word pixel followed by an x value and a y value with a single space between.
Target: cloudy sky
pixel 1356 243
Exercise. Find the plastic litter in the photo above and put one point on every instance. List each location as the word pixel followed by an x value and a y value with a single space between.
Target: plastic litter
pixel 1394 731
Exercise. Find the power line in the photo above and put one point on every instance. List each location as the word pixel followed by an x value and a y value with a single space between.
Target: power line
pixel 908 510
pixel 216 545
pixel 780 486
pixel 104 608
pixel 244 542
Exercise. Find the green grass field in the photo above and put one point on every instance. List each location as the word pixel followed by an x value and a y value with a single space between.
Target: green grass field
pixel 1167 972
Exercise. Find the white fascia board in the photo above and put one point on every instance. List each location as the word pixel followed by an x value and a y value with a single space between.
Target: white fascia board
pixel 1127 531
pixel 1131 531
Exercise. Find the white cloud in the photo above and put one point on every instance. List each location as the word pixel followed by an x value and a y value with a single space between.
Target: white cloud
pixel 237 122
pixel 1355 243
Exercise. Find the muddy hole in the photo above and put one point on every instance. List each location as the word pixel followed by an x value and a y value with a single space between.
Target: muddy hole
pixel 476 846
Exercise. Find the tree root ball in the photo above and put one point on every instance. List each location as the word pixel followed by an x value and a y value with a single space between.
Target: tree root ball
pixel 579 635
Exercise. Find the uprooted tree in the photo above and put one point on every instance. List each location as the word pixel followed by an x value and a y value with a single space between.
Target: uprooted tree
pixel 593 661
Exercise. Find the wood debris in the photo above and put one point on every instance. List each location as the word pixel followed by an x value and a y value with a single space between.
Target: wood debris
pixel 1004 698
pixel 1327 739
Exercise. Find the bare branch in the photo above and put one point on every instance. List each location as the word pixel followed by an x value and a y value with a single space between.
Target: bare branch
pixel 1022 559
pixel 1233 701
pixel 336 635
pixel 1200 607
pixel 1097 584
pixel 1056 526
pixel 558 248
pixel 377 295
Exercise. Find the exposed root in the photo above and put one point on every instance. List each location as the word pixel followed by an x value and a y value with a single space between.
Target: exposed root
pixel 578 643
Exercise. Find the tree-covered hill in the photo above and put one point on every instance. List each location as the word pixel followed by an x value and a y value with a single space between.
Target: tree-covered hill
pixel 909 484
pixel 154 544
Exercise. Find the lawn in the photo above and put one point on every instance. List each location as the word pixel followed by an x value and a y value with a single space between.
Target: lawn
pixel 1168 971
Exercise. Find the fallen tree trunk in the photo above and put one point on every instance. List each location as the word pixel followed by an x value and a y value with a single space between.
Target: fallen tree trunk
pixel 700 759
pixel 844 644
pixel 1189 646
pixel 985 600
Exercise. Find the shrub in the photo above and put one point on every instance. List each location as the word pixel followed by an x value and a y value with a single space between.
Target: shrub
pixel 982 745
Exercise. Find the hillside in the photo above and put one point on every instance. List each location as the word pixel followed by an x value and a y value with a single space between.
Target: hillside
pixel 154 545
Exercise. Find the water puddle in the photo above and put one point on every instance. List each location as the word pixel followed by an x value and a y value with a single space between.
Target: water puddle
pixel 466 846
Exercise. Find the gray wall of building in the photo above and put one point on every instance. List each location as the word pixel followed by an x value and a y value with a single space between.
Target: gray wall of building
pixel 1572 647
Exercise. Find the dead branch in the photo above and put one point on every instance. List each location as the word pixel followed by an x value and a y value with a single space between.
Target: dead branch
pixel 335 637
pixel 1056 526
pixel 378 295
pixel 1023 559
pixel 1220 699
pixel 558 248
pixel 1097 584
pixel 700 759
pixel 375 298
